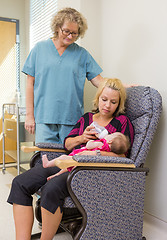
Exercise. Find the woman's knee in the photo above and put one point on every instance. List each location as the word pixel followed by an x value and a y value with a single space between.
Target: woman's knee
pixel 55 189
pixel 16 181
pixel 25 183
pixel 19 193
pixel 49 189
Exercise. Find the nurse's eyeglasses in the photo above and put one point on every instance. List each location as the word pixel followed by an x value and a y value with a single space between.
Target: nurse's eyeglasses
pixel 67 33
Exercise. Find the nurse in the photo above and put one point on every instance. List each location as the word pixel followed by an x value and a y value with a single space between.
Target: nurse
pixel 56 70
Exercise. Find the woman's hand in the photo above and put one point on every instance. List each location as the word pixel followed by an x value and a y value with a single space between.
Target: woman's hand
pixel 88 134
pixel 30 124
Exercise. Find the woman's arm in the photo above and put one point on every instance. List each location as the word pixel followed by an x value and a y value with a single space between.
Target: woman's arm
pixel 93 144
pixel 103 153
pixel 30 120
pixel 111 154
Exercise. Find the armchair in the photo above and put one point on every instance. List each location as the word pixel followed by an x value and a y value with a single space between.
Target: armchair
pixel 107 193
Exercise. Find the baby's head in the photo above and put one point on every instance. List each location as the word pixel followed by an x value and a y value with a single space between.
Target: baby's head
pixel 118 142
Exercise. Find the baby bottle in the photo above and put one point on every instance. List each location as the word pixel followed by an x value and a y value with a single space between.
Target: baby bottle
pixel 101 131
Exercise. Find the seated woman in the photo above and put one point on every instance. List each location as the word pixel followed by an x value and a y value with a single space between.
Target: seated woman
pixel 109 108
pixel 116 142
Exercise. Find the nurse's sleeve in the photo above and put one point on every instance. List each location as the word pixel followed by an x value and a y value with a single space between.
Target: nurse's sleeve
pixel 92 67
pixel 29 66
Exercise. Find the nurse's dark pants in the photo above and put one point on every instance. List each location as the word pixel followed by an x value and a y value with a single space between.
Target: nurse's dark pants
pixel 53 192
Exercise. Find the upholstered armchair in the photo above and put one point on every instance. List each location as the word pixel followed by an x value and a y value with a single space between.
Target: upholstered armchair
pixel 107 193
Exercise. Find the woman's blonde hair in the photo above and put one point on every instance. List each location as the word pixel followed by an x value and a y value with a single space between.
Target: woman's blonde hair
pixel 114 84
pixel 71 15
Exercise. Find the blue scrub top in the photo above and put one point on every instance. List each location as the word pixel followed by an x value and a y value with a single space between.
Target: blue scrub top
pixel 59 81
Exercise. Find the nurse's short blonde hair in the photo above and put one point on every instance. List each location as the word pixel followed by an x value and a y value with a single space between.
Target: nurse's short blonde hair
pixel 71 15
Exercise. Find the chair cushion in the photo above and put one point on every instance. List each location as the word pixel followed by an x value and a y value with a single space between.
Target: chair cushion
pixel 50 145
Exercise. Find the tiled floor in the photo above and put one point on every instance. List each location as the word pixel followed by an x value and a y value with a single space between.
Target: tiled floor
pixel 154 229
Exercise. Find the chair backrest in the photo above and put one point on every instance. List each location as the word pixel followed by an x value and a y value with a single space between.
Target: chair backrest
pixel 143 107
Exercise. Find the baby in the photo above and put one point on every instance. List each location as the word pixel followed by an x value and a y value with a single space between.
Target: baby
pixel 116 142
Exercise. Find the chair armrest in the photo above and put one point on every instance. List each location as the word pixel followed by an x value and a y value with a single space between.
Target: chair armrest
pixel 102 159
pixel 46 147
pixel 94 161
pixel 27 149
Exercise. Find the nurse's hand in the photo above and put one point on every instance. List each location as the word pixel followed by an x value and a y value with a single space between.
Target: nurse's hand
pixel 30 124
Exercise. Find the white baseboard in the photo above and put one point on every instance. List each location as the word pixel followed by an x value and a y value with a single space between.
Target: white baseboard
pixel 154 228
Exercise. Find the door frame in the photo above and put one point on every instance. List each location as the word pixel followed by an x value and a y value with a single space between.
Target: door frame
pixel 17 49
